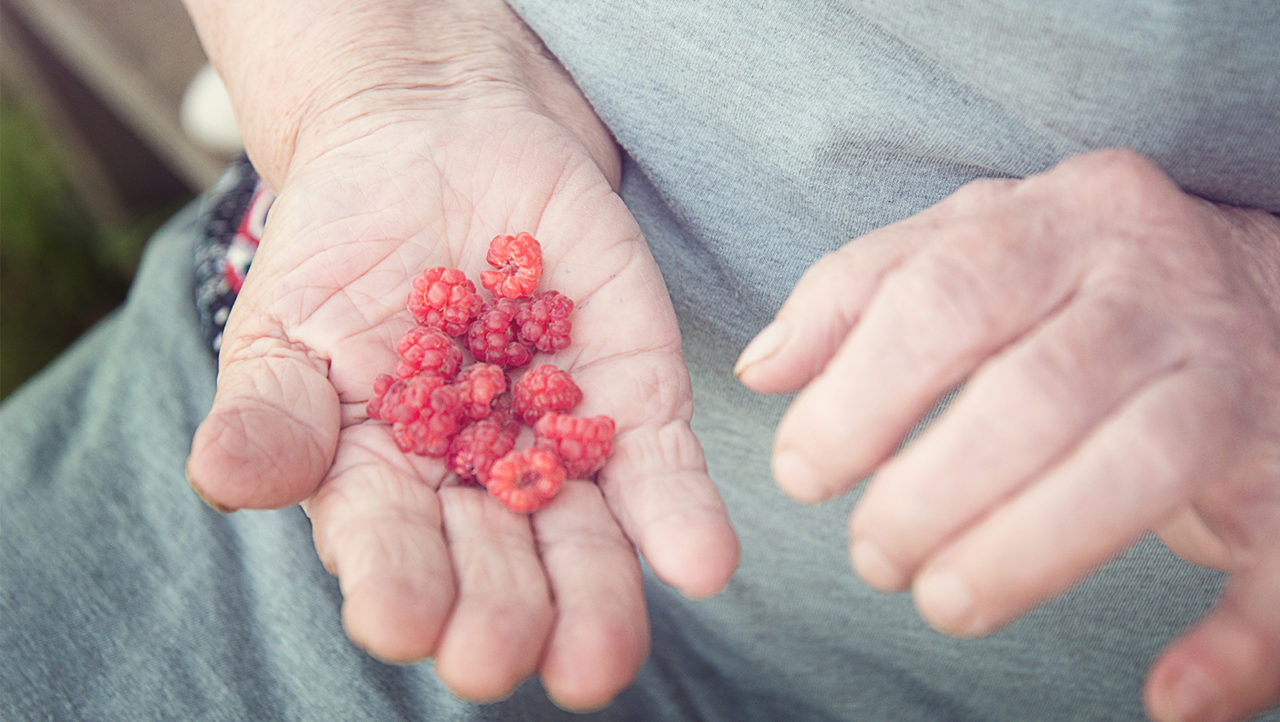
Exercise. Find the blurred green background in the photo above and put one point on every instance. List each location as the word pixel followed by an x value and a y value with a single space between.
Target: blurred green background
pixel 61 269
pixel 95 154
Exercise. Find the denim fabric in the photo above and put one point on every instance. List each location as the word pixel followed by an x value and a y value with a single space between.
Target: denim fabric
pixel 759 136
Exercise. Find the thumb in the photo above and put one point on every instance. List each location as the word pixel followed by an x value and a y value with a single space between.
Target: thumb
pixel 1228 666
pixel 270 436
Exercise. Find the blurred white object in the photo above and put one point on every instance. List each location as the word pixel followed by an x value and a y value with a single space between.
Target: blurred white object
pixel 207 116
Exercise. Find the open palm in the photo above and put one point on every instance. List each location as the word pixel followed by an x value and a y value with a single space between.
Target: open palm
pixel 430 568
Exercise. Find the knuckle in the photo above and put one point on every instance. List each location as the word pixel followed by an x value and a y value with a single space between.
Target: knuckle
pixel 1120 182
pixel 1100 346
pixel 1161 447
pixel 979 194
pixel 829 275
pixel 1124 161
pixel 952 294
pixel 1049 375
pixel 1190 433
pixel 1124 167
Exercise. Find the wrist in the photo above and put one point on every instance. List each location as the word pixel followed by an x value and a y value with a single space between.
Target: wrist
pixel 306 78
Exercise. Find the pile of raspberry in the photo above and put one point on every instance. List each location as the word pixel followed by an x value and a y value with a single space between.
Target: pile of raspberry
pixel 461 390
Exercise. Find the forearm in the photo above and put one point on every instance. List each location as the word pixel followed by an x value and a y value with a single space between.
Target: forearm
pixel 300 74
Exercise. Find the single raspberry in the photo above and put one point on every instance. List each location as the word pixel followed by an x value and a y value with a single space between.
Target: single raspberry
pixel 444 298
pixel 526 480
pixel 492 336
pixel 543 321
pixel 401 400
pixel 425 348
pixel 381 385
pixel 542 389
pixel 479 444
pixel 582 444
pixel 518 259
pixel 437 421
pixel 480 384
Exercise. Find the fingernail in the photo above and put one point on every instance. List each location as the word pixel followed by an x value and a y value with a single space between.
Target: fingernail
pixel 1195 697
pixel 795 476
pixel 210 502
pixel 875 568
pixel 765 344
pixel 946 601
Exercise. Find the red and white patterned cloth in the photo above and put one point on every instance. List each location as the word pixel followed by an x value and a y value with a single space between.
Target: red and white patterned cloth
pixel 232 220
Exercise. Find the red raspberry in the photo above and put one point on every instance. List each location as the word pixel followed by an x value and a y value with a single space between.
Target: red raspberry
pixel 503 404
pixel 432 428
pixel 582 444
pixel 444 298
pixel 480 384
pixel 518 259
pixel 425 348
pixel 542 389
pixel 381 385
pixel 479 444
pixel 401 399
pixel 543 321
pixel 526 480
pixel 492 336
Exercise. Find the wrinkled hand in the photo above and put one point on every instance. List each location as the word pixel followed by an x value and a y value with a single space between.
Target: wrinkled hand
pixel 1121 346
pixel 429 569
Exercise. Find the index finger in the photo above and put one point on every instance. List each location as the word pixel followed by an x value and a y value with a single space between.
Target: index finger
pixel 968 292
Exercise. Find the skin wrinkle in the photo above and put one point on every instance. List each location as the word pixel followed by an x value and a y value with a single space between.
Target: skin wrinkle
pixel 471 536
pixel 1233 491
pixel 484 566
pixel 288 407
pixel 913 516
pixel 381 457
pixel 582 368
pixel 365 304
pixel 639 517
pixel 586 192
pixel 579 536
pixel 660 400
pixel 339 513
pixel 240 438
pixel 376 550
pixel 300 432
pixel 415 508
pixel 271 342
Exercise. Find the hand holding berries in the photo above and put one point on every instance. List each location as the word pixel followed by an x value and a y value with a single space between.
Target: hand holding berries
pixel 426 564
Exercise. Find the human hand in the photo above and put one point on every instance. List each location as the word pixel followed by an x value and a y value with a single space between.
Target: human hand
pixel 1121 346
pixel 392 179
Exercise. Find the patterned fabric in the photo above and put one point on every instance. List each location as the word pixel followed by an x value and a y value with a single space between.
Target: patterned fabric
pixel 232 217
